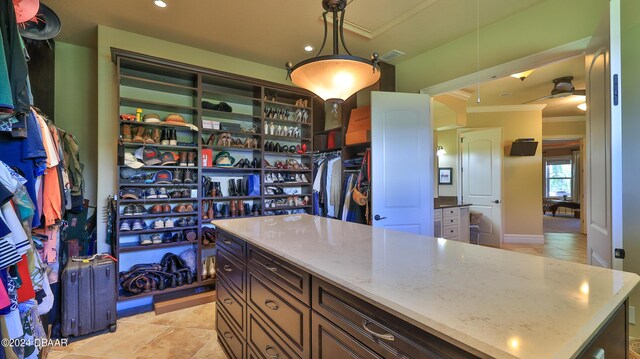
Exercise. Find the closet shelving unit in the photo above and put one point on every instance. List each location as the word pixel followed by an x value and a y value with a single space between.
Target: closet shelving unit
pixel 164 87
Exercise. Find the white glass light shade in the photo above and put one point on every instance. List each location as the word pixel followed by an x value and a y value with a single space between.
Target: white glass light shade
pixel 334 78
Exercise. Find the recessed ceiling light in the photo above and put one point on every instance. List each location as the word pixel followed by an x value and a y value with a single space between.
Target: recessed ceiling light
pixel 505 94
pixel 308 48
pixel 160 3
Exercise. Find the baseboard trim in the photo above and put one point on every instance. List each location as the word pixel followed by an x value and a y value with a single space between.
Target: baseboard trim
pixel 523 238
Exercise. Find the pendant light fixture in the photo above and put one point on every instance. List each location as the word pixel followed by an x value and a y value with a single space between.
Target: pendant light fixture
pixel 337 76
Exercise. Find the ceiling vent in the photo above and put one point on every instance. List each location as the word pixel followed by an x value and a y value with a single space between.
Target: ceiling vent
pixel 391 55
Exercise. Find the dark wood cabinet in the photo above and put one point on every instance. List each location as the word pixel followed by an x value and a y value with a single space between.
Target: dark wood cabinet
pixel 270 308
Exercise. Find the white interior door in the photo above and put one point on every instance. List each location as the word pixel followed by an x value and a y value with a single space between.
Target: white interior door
pixel 481 158
pixel 402 162
pixel 603 154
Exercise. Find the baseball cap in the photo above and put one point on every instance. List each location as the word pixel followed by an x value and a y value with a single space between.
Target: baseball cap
pixel 131 193
pixel 151 118
pixel 131 161
pixel 169 158
pixel 163 177
pixel 149 155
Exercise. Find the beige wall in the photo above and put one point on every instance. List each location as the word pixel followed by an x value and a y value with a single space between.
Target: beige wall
pixel 630 144
pixel 107 110
pixel 75 106
pixel 563 129
pixel 522 188
pixel 449 140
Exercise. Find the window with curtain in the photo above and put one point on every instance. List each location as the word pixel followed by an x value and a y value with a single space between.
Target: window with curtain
pixel 559 177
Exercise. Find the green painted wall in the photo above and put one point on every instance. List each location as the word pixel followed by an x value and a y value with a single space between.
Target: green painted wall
pixel 541 27
pixel 630 143
pixel 75 105
pixel 107 110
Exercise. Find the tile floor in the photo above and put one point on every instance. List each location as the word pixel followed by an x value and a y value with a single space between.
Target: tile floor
pixel 566 246
pixel 184 334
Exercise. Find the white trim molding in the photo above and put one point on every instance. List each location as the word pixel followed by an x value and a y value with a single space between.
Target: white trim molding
pixel 564 119
pixel 506 108
pixel 459 94
pixel 523 239
pixel 547 57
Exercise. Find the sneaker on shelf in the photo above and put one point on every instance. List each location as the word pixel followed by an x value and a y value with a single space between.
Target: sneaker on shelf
pixel 191 222
pixel 156 238
pixel 186 193
pixel 168 223
pixel 125 226
pixel 189 176
pixel 167 237
pixel 268 178
pixel 139 210
pixel 145 240
pixel 162 193
pixel 158 223
pixel 128 210
pixel 137 225
pixel 150 193
pixel 181 222
pixel 298 178
pixel 304 178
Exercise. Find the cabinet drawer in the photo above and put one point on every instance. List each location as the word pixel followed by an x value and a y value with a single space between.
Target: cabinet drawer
pixel 385 334
pixel 450 232
pixel 451 212
pixel 231 269
pixel 288 277
pixel 291 317
pixel 233 245
pixel 611 340
pixel 233 345
pixel 235 307
pixel 265 343
pixel 450 221
pixel 330 342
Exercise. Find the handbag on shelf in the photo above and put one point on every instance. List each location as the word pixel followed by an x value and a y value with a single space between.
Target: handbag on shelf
pixel 360 193
pixel 253 184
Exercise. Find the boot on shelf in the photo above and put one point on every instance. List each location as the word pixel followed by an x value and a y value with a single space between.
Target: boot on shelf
pixel 139 134
pixel 155 135
pixel 233 208
pixel 216 212
pixel 241 208
pixel 126 133
pixel 205 211
pixel 255 209
pixel 173 137
pixel 232 188
pixel 247 210
pixel 218 189
pixel 191 159
pixel 164 137
pixel 213 210
pixel 183 159
pixel 225 210
pixel 240 188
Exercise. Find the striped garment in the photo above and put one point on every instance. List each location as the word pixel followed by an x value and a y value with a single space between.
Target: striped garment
pixel 18 237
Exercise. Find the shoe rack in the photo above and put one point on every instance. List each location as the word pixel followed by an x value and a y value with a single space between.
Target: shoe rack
pixel 163 87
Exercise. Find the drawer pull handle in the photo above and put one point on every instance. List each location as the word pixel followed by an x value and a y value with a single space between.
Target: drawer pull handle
pixel 227 268
pixel 226 241
pixel 387 336
pixel 269 350
pixel 227 301
pixel 271 304
pixel 228 335
pixel 271 267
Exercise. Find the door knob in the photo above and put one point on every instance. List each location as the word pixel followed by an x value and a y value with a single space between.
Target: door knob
pixel 378 218
pixel 496 201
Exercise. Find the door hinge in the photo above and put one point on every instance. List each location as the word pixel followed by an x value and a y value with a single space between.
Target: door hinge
pixel 616 97
pixel 619 253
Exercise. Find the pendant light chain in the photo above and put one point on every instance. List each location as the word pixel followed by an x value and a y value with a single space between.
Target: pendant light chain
pixel 478 49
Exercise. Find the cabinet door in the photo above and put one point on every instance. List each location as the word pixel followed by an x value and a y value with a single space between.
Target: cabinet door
pixel 330 342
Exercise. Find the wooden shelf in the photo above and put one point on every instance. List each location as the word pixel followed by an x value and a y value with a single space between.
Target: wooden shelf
pixel 288 154
pixel 157 85
pixel 158 106
pixel 287 138
pixel 230 169
pixel 122 296
pixel 229 198
pixel 172 185
pixel 285 208
pixel 288 122
pixel 167 167
pixel 235 133
pixel 159 215
pixel 155 230
pixel 159 147
pixel 156 200
pixel 137 247
pixel 274 196
pixel 159 124
pixel 239 149
pixel 216 97
pixel 229 115
pixel 288 184
pixel 287 170
pixel 278 103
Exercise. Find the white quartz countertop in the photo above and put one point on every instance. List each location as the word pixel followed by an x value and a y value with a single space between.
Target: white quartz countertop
pixel 502 304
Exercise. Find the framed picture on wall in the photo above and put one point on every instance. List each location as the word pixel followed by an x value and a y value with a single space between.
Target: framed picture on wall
pixel 445 175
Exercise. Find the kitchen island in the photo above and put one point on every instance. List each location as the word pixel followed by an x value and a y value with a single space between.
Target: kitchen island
pixel 305 286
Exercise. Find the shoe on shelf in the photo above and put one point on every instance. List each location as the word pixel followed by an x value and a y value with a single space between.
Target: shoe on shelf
pixel 186 193
pixel 145 240
pixel 126 133
pixel 298 178
pixel 266 164
pixel 189 207
pixel 177 237
pixel 139 210
pixel 128 210
pixel 158 223
pixel 211 270
pixel 162 193
pixel 181 208
pixel 150 193
pixel 183 158
pixel 215 212
pixel 156 209
pixel 205 270
pixel 191 222
pixel 191 159
pixel 155 135
pixel 255 163
pixel 304 178
pixel 178 176
pixel 156 238
pixel 166 208
pixel 164 137
pixel 168 223
pixel 173 137
pixel 166 237
pixel 138 134
pixel 189 177
pixel 137 225
pixel 225 211
pixel 125 226
pixel 181 222
pixel 148 137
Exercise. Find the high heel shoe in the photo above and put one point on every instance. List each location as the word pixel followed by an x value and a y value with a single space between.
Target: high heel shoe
pixel 266 164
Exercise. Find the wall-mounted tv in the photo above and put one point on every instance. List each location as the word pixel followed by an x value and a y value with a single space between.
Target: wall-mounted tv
pixel 524 147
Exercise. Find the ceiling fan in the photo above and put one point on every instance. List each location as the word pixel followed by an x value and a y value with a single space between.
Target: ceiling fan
pixel 562 87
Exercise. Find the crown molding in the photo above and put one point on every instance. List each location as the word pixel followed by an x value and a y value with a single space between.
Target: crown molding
pixel 459 94
pixel 506 108
pixel 564 119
